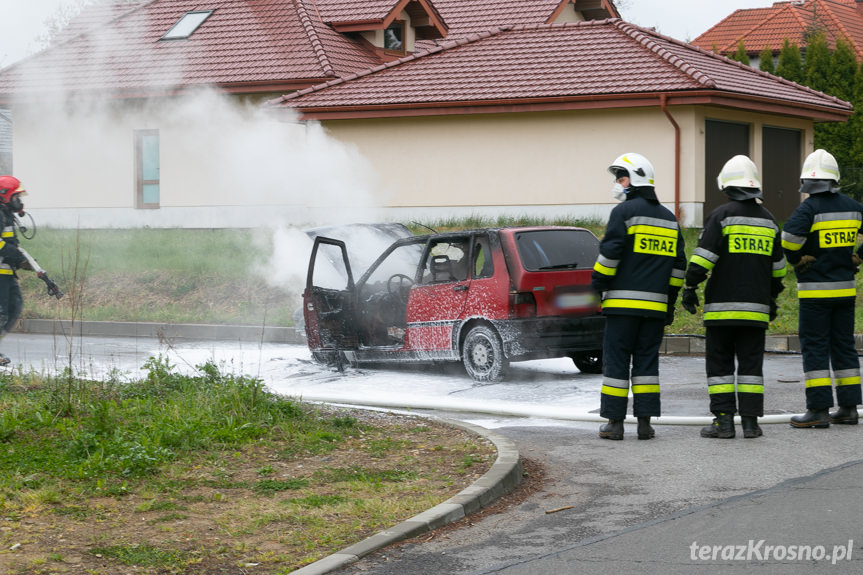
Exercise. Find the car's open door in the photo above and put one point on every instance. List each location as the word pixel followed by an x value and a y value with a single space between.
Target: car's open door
pixel 329 303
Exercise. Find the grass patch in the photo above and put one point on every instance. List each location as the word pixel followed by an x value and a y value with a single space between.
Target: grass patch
pixel 195 470
pixel 141 555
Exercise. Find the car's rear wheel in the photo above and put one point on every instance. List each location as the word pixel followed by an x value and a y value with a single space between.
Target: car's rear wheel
pixel 588 361
pixel 482 354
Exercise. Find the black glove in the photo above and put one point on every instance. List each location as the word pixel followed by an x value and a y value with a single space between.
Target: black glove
pixel 774 309
pixel 804 264
pixel 690 300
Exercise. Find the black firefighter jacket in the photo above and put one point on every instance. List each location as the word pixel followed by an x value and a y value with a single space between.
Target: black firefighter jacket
pixel 641 260
pixel 739 248
pixel 824 226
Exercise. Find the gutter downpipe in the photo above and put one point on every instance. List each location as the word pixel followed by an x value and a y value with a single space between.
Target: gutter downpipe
pixel 662 105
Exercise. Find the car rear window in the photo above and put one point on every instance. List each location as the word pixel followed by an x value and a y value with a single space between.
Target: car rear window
pixel 557 249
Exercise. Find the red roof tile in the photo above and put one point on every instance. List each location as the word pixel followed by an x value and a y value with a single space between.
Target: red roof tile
pixel 271 43
pixel 591 60
pixel 761 28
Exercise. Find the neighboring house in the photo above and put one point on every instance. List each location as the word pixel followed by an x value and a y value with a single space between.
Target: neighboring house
pixel 461 108
pixel 526 118
pixel 795 21
pixel 5 141
pixel 103 137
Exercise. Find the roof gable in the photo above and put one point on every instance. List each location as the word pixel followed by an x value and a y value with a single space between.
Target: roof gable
pixel 353 16
pixel 761 28
pixel 556 65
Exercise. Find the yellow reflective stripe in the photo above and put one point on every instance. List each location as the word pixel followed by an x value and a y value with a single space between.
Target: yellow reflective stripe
pixel 750 388
pixel 814 293
pixel 835 225
pixel 645 388
pixel 7 234
pixel 703 262
pixel 652 230
pixel 615 391
pixel 5 272
pixel 779 273
pixel 855 380
pixel 721 388
pixel 2 243
pixel 749 231
pixel 604 270
pixel 818 382
pixel 747 315
pixel 791 246
pixel 673 281
pixel 635 304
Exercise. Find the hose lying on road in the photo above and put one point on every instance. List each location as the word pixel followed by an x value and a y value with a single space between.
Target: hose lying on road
pixel 513 409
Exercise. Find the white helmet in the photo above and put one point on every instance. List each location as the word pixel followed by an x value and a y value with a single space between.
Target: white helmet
pixel 639 169
pixel 820 165
pixel 739 172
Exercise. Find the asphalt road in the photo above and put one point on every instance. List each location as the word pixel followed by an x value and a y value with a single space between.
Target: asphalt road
pixel 675 504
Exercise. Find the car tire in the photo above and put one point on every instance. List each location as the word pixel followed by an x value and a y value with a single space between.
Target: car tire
pixel 482 354
pixel 588 361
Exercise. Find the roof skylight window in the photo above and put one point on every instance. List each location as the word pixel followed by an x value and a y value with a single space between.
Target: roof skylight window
pixel 187 25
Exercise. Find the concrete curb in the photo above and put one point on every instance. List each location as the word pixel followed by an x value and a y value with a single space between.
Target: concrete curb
pixel 504 476
pixel 166 331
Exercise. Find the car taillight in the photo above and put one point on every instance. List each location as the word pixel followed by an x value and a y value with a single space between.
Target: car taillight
pixel 522 304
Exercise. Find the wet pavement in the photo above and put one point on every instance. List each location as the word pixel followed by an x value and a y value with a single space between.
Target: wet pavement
pixel 789 502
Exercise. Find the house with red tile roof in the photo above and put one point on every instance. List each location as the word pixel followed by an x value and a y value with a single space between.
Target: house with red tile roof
pixel 529 115
pixel 795 21
pixel 419 108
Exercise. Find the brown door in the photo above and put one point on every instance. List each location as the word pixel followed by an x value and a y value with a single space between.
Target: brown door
pixel 780 174
pixel 723 140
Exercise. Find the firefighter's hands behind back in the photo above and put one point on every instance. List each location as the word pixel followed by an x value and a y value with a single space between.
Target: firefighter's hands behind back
pixel 690 300
pixel 804 264
pixel 855 259
pixel 774 309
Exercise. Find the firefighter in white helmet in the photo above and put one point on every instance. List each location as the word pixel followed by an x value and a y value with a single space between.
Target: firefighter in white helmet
pixel 820 240
pixel 740 239
pixel 639 272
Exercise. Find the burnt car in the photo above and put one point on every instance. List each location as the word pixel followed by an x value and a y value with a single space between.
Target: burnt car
pixel 484 297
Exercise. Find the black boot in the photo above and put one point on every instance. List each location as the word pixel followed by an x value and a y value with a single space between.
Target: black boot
pixel 722 427
pixel 845 415
pixel 818 418
pixel 750 426
pixel 612 430
pixel 645 430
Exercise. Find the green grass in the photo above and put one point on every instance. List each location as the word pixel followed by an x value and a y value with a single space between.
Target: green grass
pixel 157 473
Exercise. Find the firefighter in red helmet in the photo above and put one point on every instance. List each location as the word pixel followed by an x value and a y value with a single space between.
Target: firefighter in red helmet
pixel 11 258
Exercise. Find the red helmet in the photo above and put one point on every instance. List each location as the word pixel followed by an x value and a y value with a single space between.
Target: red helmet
pixel 9 186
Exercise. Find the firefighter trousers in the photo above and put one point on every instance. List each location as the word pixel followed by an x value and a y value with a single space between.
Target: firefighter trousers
pixel 631 340
pixel 826 333
pixel 746 345
pixel 11 303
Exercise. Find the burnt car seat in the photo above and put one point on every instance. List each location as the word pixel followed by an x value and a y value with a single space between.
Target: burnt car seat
pixel 441 269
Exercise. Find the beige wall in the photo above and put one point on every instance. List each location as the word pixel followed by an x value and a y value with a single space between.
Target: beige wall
pixel 227 165
pixel 540 163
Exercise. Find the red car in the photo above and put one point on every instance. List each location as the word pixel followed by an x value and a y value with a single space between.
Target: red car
pixel 484 297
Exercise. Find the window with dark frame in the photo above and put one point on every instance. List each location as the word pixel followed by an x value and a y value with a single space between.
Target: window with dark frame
pixel 147 169
pixel 394 37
